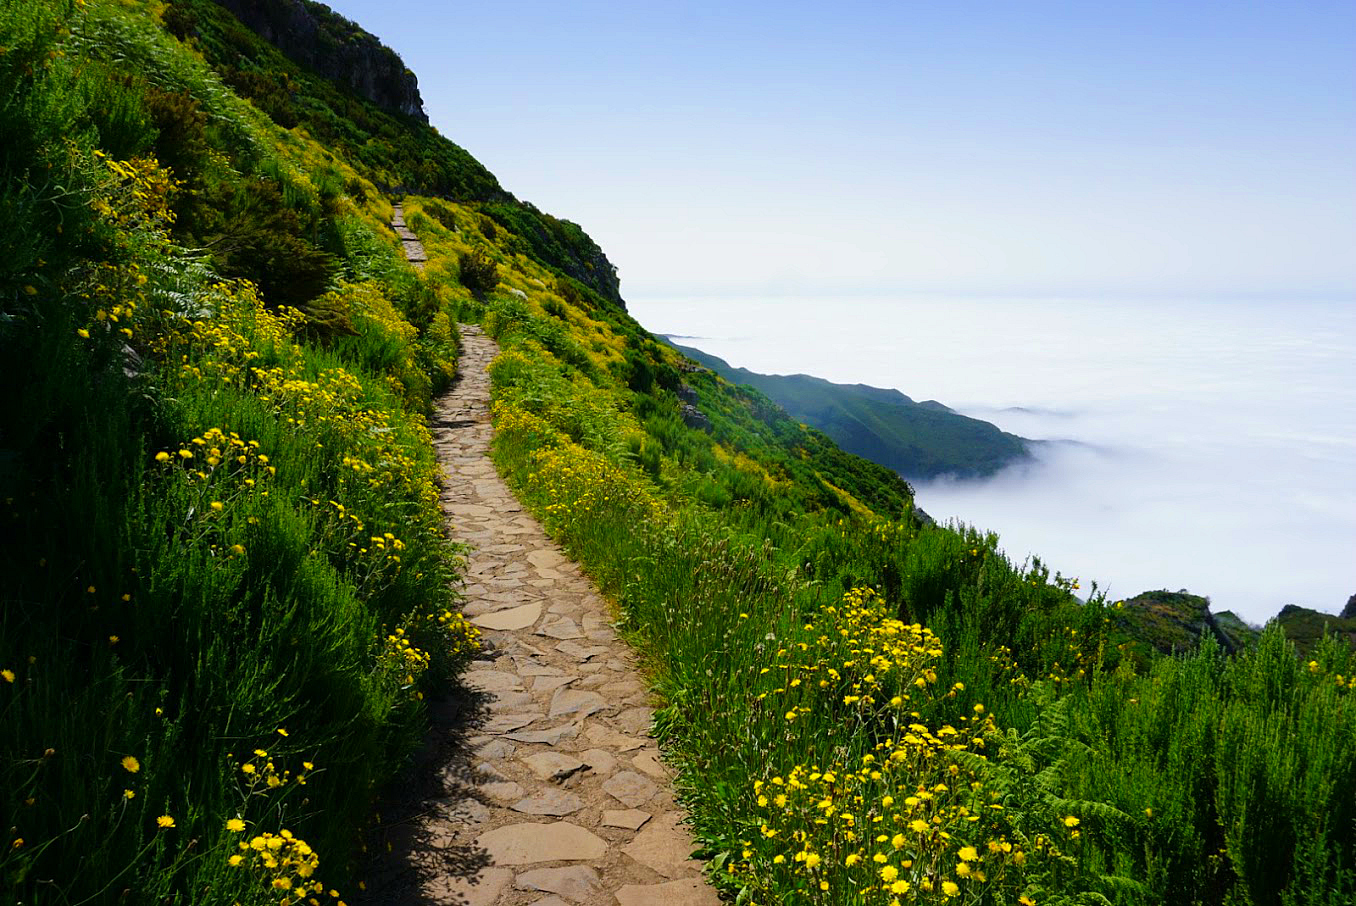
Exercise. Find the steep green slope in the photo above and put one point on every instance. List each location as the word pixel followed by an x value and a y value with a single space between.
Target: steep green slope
pixel 618 387
pixel 397 152
pixel 1307 627
pixel 917 440
pixel 226 581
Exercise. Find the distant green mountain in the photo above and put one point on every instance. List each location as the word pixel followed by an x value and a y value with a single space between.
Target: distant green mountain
pixel 917 440
pixel 1305 627
pixel 1175 622
pixel 1167 622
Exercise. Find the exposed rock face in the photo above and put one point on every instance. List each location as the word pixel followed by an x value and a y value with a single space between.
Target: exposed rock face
pixel 695 418
pixel 314 36
pixel 1349 612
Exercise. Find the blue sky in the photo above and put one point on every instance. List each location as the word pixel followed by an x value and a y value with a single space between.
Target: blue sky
pixel 992 148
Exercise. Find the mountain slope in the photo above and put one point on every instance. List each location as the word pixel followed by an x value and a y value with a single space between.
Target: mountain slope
pixel 389 143
pixel 917 440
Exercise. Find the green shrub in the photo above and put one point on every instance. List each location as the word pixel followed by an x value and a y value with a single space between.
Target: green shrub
pixel 479 272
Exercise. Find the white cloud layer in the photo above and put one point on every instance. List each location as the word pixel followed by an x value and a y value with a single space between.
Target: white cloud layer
pixel 1201 445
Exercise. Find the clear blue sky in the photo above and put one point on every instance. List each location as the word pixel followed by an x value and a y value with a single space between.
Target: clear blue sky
pixel 1177 148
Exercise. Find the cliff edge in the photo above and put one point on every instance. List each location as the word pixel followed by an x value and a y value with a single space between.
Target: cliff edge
pixel 314 36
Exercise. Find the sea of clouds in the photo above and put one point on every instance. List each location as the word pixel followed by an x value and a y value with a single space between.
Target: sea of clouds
pixel 1206 445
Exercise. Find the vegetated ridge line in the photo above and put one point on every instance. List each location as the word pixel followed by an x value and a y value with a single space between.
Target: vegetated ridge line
pixel 559 795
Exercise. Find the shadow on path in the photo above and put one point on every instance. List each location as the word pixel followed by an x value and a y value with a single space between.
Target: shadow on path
pixel 406 852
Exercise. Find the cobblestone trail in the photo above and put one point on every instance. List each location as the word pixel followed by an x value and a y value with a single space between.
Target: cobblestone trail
pixel 556 795
pixel 414 249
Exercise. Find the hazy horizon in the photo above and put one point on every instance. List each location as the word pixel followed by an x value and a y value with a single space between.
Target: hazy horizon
pixel 1191 445
pixel 1038 148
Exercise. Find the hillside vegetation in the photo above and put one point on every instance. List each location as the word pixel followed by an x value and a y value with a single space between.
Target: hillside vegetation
pixel 227 587
pixel 226 582
pixel 917 440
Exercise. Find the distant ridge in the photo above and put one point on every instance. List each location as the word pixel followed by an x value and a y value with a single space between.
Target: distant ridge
pixel 919 440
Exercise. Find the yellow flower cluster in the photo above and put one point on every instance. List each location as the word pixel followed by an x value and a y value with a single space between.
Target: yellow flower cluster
pixel 136 195
pixel 1081 653
pixel 528 426
pixel 375 456
pixel 861 658
pixel 402 662
pixel 578 483
pixel 260 774
pixel 285 863
pixel 116 294
pixel 1342 682
pixel 219 349
pixel 903 823
pixel 221 469
pixel 247 347
pixel 217 454
pixel 458 638
pixel 368 302
pixel 907 821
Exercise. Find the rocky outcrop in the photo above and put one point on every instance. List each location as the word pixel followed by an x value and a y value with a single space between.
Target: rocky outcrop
pixel 695 418
pixel 314 36
pixel 1349 612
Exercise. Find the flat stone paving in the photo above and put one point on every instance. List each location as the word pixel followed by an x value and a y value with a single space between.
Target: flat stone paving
pixel 414 249
pixel 558 795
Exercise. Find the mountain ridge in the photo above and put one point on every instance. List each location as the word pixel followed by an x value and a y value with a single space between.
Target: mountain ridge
pixel 919 440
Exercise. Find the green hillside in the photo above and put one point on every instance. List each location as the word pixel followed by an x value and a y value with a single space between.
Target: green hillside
pixel 228 591
pixel 917 440
pixel 1307 628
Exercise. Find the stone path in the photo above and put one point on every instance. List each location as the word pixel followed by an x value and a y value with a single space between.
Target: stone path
pixel 556 793
pixel 414 249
